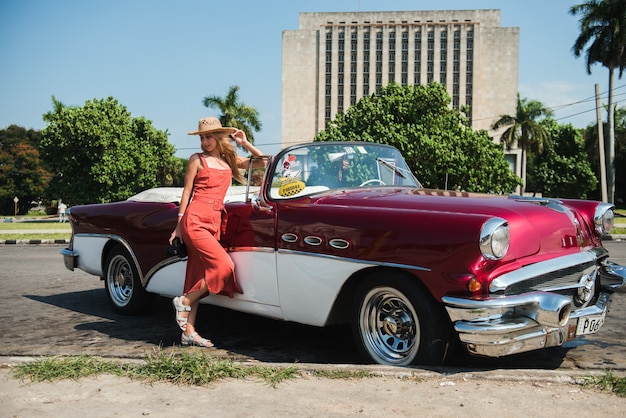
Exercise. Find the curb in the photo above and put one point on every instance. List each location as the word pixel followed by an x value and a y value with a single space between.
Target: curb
pixel 34 241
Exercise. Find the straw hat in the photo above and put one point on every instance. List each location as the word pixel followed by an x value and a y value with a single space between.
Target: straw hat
pixel 211 125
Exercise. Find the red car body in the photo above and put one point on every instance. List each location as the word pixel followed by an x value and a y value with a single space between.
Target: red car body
pixel 342 232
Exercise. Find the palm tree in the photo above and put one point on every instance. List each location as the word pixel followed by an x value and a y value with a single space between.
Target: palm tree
pixel 603 24
pixel 524 130
pixel 235 113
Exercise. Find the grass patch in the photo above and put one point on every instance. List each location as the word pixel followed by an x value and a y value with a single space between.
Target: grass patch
pixel 342 374
pixel 44 230
pixel 607 383
pixel 45 226
pixel 180 369
pixel 54 368
pixel 19 237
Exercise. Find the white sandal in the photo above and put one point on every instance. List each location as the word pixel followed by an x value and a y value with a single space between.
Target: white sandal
pixel 191 340
pixel 179 307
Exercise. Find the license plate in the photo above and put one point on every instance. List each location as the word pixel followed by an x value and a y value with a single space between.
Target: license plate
pixel 590 324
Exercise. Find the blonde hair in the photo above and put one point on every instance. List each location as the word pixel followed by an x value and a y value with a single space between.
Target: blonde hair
pixel 229 153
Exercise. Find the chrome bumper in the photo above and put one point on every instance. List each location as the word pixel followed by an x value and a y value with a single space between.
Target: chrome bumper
pixel 504 325
pixel 70 258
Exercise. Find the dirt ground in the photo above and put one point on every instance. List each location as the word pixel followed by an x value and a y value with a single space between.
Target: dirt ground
pixel 393 393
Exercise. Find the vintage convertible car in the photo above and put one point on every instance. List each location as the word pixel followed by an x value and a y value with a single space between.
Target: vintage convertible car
pixel 342 232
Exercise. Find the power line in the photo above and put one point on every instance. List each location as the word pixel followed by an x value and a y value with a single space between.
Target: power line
pixel 553 109
pixel 577 102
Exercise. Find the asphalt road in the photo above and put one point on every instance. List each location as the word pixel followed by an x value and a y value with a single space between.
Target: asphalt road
pixel 48 310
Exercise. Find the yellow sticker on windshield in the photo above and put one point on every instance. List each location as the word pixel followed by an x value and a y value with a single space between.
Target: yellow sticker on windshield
pixel 290 189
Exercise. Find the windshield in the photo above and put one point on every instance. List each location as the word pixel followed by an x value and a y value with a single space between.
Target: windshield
pixel 316 167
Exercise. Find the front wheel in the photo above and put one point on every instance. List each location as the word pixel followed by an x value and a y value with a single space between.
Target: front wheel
pixel 395 322
pixel 123 285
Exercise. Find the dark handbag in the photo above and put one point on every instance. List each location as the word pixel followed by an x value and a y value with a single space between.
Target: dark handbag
pixel 177 248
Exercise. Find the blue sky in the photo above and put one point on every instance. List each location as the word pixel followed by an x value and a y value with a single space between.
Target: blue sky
pixel 161 58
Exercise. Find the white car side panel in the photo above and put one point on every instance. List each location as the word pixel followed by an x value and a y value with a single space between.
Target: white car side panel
pixel 90 253
pixel 169 280
pixel 256 274
pixel 309 285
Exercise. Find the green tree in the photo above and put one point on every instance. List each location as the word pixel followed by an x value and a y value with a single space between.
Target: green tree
pixel 591 141
pixel 100 153
pixel 173 174
pixel 436 141
pixel 620 156
pixel 22 173
pixel 523 129
pixel 562 169
pixel 234 113
pixel 603 28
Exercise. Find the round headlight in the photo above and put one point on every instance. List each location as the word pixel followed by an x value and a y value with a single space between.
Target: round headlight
pixel 494 239
pixel 604 218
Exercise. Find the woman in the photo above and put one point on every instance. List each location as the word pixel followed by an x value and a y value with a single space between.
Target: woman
pixel 201 218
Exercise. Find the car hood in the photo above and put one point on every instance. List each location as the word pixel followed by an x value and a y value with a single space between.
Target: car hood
pixel 536 225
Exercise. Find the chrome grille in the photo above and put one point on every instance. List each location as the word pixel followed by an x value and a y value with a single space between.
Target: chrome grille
pixel 558 280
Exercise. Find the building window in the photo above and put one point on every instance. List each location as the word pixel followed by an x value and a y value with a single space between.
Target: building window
pixel 417 62
pixel 443 57
pixel 392 56
pixel 328 76
pixel 469 78
pixel 366 62
pixel 340 69
pixel 456 68
pixel 353 66
pixel 379 61
pixel 404 70
pixel 341 47
pixel 457 39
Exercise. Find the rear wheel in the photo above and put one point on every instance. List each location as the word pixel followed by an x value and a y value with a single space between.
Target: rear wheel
pixel 396 322
pixel 123 285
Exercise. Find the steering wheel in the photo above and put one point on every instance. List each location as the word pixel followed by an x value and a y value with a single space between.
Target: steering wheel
pixel 372 181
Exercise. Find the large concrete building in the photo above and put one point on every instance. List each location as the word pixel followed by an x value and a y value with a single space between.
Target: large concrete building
pixel 334 59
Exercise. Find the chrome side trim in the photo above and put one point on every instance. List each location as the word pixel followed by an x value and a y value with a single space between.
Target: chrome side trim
pixel 354 260
pixel 544 267
pixel 251 249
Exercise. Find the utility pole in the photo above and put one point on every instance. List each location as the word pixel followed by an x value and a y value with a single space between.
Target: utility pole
pixel 601 145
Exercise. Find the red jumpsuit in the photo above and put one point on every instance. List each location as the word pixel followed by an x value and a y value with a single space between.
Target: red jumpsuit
pixel 200 230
